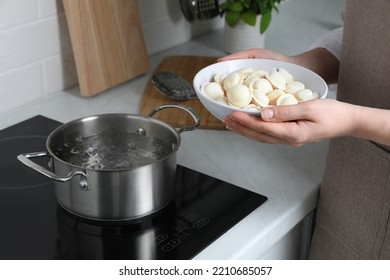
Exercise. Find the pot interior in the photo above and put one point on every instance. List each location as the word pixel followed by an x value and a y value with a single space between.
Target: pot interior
pixel 113 142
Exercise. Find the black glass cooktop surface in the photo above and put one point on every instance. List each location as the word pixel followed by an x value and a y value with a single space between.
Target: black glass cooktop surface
pixel 35 226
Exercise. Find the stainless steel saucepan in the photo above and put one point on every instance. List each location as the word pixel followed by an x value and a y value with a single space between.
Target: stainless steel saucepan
pixel 113 166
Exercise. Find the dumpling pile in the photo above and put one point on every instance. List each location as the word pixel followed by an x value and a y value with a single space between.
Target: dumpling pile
pixel 255 89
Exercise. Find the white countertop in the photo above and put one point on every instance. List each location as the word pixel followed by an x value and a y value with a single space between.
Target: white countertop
pixel 289 177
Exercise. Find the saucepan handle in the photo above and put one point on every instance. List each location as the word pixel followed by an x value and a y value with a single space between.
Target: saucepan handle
pixel 25 159
pixel 188 109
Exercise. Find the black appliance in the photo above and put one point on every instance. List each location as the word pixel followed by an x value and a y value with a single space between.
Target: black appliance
pixel 34 226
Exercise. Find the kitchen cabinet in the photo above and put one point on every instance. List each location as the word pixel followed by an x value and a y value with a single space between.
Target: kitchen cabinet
pixel 295 244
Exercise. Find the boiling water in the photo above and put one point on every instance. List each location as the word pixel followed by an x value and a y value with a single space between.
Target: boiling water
pixel 125 151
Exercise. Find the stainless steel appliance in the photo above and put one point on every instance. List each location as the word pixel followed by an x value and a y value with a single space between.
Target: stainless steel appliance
pixel 35 226
pixel 124 164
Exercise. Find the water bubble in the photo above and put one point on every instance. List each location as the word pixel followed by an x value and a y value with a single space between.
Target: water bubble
pixel 75 151
pixel 91 151
pixel 131 146
pixel 141 131
pixel 128 150
pixel 97 166
pixel 80 139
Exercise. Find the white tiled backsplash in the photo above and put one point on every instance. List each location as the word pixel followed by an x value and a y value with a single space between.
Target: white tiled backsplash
pixel 36 57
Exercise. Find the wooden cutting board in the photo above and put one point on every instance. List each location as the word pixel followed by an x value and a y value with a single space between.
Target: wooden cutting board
pixel 107 41
pixel 186 67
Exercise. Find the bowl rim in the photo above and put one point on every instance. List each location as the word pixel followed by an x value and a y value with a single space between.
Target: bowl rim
pixel 251 60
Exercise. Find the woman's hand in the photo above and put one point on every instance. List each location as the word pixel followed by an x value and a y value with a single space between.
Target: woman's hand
pixel 314 120
pixel 296 125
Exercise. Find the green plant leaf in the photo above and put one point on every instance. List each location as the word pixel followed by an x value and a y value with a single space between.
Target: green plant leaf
pixel 247 10
pixel 246 3
pixel 249 17
pixel 232 18
pixel 235 6
pixel 262 6
pixel 265 21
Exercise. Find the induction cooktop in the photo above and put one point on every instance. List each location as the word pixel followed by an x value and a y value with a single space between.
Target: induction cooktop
pixel 35 226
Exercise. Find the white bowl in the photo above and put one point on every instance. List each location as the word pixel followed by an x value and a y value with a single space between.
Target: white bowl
pixel 310 79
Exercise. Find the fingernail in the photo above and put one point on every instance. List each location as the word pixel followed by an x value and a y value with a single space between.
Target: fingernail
pixel 228 119
pixel 267 113
pixel 227 123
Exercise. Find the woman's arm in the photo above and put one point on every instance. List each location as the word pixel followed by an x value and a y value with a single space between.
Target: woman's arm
pixel 372 124
pixel 313 121
pixel 321 61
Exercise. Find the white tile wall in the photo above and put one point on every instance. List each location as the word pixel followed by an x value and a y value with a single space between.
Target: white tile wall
pixel 36 56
